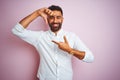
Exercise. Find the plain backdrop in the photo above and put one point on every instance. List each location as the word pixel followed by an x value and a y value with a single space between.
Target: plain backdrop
pixel 96 22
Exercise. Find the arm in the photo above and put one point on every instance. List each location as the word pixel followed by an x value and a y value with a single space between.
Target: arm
pixel 79 54
pixel 28 35
pixel 28 19
pixel 41 12
pixel 65 46
pixel 82 55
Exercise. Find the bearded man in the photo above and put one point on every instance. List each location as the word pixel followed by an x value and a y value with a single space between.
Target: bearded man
pixel 55 46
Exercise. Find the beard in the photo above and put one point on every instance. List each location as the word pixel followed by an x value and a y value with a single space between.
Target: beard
pixel 55 26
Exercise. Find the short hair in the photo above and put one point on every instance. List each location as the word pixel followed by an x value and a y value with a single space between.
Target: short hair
pixel 54 7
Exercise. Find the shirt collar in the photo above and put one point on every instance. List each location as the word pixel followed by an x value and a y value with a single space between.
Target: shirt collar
pixel 58 33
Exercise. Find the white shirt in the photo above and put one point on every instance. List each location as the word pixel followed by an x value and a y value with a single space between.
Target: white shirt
pixel 55 64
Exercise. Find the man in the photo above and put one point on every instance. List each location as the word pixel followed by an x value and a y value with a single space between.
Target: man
pixel 55 46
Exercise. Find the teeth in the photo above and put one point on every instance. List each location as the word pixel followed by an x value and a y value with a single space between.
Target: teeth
pixel 55 24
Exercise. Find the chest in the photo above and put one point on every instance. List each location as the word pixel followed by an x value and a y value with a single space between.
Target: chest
pixel 47 40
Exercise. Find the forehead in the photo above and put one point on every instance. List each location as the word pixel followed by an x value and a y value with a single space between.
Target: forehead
pixel 57 13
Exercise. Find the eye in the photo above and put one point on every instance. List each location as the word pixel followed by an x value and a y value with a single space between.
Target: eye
pixel 51 17
pixel 59 17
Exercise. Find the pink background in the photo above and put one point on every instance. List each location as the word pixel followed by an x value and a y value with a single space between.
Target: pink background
pixel 96 22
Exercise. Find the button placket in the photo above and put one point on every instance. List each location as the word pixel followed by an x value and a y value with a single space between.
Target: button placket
pixel 56 38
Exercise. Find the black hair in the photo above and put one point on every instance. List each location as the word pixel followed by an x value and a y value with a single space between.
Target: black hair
pixel 54 7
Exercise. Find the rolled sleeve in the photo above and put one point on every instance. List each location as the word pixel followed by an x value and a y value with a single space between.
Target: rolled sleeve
pixel 88 57
pixel 26 35
pixel 17 29
pixel 79 45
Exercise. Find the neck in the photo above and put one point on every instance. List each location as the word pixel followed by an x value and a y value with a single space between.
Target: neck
pixel 56 32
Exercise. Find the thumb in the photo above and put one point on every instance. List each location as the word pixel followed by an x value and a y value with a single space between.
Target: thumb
pixel 45 19
pixel 65 40
pixel 44 16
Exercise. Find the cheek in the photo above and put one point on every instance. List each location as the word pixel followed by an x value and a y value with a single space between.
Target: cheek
pixel 50 21
pixel 61 21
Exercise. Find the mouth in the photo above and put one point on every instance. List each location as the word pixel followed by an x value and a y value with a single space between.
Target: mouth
pixel 55 25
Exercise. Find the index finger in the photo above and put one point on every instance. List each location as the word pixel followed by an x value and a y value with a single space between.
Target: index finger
pixel 55 42
pixel 48 11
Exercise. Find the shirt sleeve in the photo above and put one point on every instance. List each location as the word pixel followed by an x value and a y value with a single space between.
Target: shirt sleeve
pixel 79 45
pixel 26 35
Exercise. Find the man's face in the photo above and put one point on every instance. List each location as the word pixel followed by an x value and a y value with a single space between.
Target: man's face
pixel 55 21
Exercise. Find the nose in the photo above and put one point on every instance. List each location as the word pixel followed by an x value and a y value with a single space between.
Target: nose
pixel 55 20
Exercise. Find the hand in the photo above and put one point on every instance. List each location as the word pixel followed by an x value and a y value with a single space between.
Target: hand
pixel 44 12
pixel 64 45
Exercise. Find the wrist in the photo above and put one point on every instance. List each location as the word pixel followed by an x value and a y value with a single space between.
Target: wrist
pixel 69 50
pixel 36 13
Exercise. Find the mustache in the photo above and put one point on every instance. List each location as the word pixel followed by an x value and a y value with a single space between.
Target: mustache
pixel 55 23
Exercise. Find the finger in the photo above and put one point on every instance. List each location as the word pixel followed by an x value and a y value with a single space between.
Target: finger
pixel 46 21
pixel 65 40
pixel 51 13
pixel 55 42
pixel 48 11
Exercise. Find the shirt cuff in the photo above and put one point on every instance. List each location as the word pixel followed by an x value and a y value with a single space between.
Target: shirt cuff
pixel 19 27
pixel 88 57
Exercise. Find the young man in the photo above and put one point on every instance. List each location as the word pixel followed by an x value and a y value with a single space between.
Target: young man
pixel 55 46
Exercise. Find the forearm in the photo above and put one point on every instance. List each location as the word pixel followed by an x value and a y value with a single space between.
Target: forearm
pixel 65 47
pixel 27 20
pixel 86 56
pixel 79 54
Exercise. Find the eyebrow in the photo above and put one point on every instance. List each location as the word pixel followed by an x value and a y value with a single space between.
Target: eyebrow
pixel 56 16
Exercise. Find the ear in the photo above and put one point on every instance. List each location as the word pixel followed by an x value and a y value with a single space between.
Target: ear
pixel 62 19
